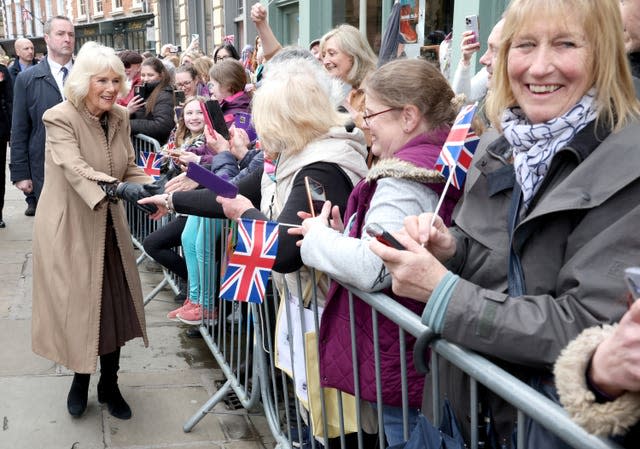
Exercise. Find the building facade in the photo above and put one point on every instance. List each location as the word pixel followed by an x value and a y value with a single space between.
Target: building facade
pixel 145 25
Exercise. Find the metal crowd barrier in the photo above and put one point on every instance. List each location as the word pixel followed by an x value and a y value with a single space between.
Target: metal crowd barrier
pixel 141 226
pixel 245 348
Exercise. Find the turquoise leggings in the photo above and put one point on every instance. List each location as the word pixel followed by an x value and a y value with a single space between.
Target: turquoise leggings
pixel 199 239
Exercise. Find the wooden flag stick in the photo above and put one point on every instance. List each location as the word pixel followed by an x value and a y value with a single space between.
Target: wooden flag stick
pixel 444 193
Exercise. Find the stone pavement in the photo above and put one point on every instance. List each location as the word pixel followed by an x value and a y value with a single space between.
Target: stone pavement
pixel 164 384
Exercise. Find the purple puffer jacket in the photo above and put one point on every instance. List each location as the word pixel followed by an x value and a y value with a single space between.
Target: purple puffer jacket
pixel 336 368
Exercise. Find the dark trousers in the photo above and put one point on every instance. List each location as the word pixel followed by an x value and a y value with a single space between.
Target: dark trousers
pixel 3 171
pixel 160 245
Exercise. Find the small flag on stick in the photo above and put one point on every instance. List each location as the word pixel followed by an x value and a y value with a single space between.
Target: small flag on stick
pixel 247 274
pixel 150 163
pixel 458 150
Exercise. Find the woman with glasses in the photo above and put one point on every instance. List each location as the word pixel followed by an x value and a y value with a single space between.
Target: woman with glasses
pixel 225 51
pixel 152 109
pixel 408 112
pixel 188 81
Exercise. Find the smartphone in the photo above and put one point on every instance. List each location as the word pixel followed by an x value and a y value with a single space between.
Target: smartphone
pixel 178 111
pixel 142 91
pixel 243 120
pixel 632 279
pixel 471 24
pixel 179 96
pixel 315 195
pixel 377 232
pixel 211 181
pixel 216 118
pixel 195 37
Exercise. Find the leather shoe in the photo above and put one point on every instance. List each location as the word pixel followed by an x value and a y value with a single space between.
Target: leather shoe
pixel 31 210
pixel 2 224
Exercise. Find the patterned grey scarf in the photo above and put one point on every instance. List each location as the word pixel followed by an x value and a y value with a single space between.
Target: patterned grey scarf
pixel 535 145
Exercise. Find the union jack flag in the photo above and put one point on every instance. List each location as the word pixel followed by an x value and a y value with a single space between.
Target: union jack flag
pixel 459 147
pixel 246 276
pixel 150 163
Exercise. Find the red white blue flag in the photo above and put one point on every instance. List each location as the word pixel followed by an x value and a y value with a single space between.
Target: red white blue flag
pixel 247 274
pixel 459 147
pixel 150 163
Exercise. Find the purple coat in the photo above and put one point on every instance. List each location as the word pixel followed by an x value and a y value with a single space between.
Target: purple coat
pixel 238 102
pixel 336 367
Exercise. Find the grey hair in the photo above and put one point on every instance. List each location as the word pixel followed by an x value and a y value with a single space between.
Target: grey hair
pixel 47 24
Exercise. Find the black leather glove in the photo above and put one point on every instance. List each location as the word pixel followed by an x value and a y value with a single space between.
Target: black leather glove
pixel 132 192
pixel 110 189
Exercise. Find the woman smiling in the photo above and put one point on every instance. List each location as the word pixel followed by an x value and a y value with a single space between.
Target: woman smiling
pixel 87 298
pixel 550 221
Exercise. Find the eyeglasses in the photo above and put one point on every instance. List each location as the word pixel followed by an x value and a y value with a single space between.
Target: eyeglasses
pixel 222 58
pixel 370 116
pixel 184 84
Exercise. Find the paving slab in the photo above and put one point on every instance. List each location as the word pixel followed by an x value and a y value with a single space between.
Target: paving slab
pixel 165 384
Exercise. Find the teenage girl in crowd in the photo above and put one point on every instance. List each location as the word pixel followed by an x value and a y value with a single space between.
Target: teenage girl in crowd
pixel 152 113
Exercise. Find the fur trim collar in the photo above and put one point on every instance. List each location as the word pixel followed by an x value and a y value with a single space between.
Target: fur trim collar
pixel 609 418
pixel 397 168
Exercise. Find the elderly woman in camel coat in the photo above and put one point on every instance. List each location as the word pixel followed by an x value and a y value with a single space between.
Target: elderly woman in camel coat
pixel 87 297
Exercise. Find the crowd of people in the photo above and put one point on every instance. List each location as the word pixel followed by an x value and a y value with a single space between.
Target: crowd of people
pixel 523 265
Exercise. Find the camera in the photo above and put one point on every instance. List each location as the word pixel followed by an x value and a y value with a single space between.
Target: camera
pixel 176 49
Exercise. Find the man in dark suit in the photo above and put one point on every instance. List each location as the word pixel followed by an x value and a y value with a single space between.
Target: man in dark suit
pixel 35 91
pixel 24 57
pixel 6 98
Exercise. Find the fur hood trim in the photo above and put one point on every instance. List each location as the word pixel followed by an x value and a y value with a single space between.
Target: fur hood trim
pixel 609 418
pixel 397 168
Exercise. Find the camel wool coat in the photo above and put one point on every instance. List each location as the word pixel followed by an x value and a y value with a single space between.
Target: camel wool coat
pixel 70 229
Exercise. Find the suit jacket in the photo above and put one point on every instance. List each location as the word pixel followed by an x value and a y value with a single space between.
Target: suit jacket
pixel 15 69
pixel 6 98
pixel 35 91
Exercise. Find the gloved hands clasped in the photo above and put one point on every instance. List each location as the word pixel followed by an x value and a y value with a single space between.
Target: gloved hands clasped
pixel 131 192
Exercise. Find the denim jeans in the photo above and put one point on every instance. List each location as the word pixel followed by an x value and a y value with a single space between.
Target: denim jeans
pixel 393 425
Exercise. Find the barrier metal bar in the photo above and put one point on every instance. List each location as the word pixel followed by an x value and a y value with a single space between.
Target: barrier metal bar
pixel 140 225
pixel 283 410
pixel 517 393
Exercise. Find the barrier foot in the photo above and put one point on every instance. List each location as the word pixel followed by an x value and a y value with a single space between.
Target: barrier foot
pixel 207 407
pixel 152 294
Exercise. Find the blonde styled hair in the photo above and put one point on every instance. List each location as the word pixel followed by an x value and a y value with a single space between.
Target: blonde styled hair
pixel 293 106
pixel 350 41
pixel 93 59
pixel 602 25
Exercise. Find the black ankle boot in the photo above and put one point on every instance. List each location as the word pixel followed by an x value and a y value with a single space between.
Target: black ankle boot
pixel 77 398
pixel 108 391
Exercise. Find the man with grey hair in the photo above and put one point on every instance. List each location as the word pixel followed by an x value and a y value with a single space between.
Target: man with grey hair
pixel 24 57
pixel 35 91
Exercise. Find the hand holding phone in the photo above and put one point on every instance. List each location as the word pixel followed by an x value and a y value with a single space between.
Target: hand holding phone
pixel 377 232
pixel 315 195
pixel 471 24
pixel 214 118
